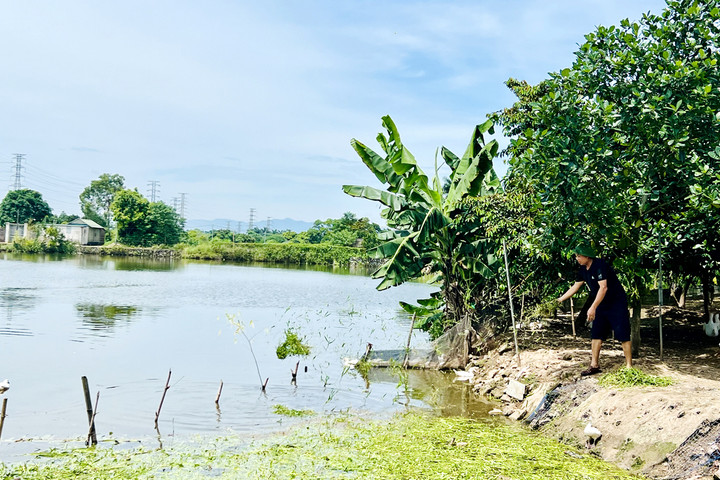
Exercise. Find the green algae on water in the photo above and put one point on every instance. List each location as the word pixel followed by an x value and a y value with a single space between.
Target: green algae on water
pixel 409 446
pixel 289 412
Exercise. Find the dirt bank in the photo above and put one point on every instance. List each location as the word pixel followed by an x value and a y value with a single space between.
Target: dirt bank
pixel 661 432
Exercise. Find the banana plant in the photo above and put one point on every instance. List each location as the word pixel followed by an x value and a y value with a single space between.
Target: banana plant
pixel 427 232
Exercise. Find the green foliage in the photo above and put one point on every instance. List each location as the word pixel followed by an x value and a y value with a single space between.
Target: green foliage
pixel 143 224
pixel 55 242
pixel 289 412
pixel 97 198
pixel 633 377
pixel 348 231
pixel 164 225
pixel 292 345
pixel 619 149
pixel 130 210
pixel 44 239
pixel 27 245
pixel 411 446
pixel 288 253
pixel 430 234
pixel 22 206
pixel 63 218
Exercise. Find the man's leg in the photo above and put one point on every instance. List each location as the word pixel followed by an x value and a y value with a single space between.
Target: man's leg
pixel 627 350
pixel 595 352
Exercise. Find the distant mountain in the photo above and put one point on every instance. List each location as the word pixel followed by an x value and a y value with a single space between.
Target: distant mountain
pixel 222 223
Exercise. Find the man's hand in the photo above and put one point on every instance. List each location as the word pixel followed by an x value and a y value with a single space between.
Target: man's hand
pixel 591 314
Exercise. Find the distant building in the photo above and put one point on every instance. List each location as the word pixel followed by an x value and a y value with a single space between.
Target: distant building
pixel 81 231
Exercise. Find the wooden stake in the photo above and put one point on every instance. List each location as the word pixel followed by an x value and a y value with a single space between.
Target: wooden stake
pixel 368 349
pixel 406 360
pixel 512 309
pixel 265 384
pixel 88 405
pixel 92 438
pixel 167 386
pixel 2 415
pixel 217 399
pixel 572 316
pixel 294 374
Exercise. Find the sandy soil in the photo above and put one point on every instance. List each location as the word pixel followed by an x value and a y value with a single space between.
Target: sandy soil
pixel 642 427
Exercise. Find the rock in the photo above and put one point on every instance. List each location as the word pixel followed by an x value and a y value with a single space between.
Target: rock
pixel 516 390
pixel 518 415
pixel 506 398
pixel 495 411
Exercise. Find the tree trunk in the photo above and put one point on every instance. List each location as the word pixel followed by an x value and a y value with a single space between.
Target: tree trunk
pixel 707 300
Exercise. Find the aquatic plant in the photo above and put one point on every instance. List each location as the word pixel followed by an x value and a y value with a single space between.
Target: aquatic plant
pixel 292 345
pixel 290 412
pixel 240 329
pixel 409 446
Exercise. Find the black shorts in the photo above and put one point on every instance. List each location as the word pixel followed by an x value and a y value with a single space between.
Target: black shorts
pixel 615 318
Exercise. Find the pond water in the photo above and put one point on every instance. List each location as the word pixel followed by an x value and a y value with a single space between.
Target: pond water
pixel 126 322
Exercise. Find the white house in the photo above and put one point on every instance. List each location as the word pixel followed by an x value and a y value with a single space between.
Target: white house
pixel 81 231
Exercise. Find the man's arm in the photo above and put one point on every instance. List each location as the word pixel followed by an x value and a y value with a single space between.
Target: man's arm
pixel 571 291
pixel 598 299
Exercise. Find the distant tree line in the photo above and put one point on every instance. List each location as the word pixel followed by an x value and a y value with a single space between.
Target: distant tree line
pixel 131 219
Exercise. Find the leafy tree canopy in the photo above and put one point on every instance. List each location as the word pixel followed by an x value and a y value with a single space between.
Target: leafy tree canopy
pixel 429 234
pixel 96 199
pixel 619 148
pixel 144 224
pixel 24 206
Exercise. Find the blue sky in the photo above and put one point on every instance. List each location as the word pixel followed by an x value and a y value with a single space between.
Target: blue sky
pixel 245 105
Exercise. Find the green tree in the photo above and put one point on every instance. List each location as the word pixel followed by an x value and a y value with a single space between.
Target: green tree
pixel 23 206
pixel 164 225
pixel 130 210
pixel 96 199
pixel 64 218
pixel 427 235
pixel 616 147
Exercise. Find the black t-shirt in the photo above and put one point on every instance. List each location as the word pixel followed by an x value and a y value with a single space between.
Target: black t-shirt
pixel 600 270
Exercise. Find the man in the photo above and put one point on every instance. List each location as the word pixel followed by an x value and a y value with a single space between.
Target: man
pixel 608 311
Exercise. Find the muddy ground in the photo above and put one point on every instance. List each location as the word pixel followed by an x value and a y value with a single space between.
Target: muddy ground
pixel 661 432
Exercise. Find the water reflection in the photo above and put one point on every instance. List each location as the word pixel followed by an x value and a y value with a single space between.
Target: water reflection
pixel 132 264
pixel 437 389
pixel 103 317
pixel 14 301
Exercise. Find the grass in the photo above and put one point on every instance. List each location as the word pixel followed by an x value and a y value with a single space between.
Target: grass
pixel 632 377
pixel 411 446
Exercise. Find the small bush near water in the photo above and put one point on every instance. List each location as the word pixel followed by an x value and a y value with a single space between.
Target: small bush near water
pixel 409 446
pixel 632 377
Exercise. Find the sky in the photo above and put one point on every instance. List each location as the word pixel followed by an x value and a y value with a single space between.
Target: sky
pixel 252 105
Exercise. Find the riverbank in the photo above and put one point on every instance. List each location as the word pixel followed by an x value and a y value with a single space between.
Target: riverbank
pixel 276 253
pixel 661 432
pixel 414 445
